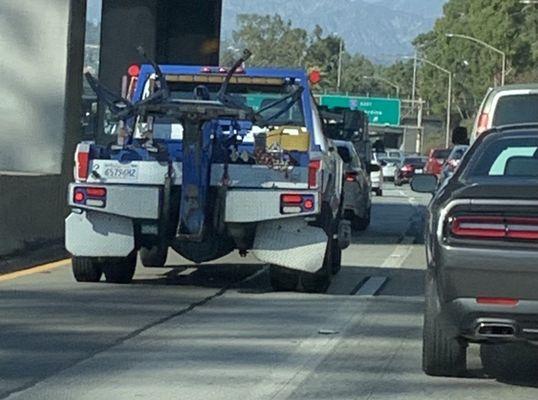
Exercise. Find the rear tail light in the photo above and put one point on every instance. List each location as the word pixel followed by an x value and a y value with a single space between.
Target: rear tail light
pixel 82 161
pixel 133 71
pixel 499 301
pixel 351 177
pixel 491 227
pixel 314 172
pixel 90 196
pixel 407 168
pixel 483 121
pixel 206 70
pixel 440 161
pixel 296 203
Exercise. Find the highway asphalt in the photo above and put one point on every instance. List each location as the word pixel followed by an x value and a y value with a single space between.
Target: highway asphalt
pixel 220 332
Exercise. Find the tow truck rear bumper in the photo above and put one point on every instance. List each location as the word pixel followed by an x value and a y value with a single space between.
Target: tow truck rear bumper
pixel 109 230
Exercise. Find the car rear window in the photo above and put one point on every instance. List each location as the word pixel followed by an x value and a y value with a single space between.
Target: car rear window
pixel 442 153
pixel 516 109
pixel 509 157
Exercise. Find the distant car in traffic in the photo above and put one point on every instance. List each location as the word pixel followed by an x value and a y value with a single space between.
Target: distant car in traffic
pixel 408 168
pixel 376 179
pixel 436 159
pixel 482 250
pixel 453 160
pixel 389 166
pixel 357 201
pixel 509 104
pixel 395 153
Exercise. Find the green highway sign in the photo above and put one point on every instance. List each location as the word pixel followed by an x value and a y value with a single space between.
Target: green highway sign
pixel 380 111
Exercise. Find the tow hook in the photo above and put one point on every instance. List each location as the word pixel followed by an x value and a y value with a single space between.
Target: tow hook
pixel 344 234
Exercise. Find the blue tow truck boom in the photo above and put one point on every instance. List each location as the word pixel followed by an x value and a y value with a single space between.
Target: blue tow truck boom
pixel 210 160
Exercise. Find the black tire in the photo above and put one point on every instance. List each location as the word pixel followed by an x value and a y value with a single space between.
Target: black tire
pixel 361 224
pixel 86 269
pixel 283 279
pixel 509 361
pixel 319 281
pixel 154 256
pixel 379 192
pixel 336 258
pixel 120 269
pixel 442 354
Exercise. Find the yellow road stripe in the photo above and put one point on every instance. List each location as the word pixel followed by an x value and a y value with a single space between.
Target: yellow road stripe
pixel 34 270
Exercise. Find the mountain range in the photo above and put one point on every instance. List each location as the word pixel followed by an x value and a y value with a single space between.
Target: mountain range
pixel 381 30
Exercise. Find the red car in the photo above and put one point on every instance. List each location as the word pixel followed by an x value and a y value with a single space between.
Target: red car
pixel 436 159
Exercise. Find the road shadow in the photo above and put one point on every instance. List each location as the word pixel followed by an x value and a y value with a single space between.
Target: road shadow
pixel 205 275
pixel 513 363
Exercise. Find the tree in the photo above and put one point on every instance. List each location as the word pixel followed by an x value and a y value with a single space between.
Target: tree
pixel 273 41
pixel 503 24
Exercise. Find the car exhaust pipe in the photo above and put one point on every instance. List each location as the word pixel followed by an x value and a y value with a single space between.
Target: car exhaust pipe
pixel 495 330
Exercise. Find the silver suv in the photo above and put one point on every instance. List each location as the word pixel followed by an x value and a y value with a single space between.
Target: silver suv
pixel 507 105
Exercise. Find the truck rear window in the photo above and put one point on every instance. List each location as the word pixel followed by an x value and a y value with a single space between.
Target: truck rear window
pixel 516 109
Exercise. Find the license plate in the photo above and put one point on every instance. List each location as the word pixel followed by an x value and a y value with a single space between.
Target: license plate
pixel 123 172
pixel 418 171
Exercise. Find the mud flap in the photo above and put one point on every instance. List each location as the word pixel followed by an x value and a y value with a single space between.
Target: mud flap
pixel 95 234
pixel 290 243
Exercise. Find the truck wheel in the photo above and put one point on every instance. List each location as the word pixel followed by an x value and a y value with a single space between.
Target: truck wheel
pixel 379 192
pixel 361 224
pixel 336 258
pixel 154 256
pixel 283 279
pixel 86 269
pixel 318 282
pixel 120 269
pixel 442 354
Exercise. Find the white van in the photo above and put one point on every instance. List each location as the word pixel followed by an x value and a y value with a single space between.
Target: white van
pixel 507 105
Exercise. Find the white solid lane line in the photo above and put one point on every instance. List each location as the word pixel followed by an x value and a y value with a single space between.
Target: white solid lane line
pixel 372 286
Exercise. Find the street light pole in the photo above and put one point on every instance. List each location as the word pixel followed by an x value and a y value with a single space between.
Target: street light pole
pixel 339 79
pixel 379 78
pixel 495 49
pixel 449 96
pixel 414 90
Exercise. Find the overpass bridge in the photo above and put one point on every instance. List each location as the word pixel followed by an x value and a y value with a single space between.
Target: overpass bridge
pixel 42 47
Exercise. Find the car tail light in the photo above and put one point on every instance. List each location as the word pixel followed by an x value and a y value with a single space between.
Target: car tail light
pixel 206 70
pixel 453 163
pixel 314 170
pixel 296 203
pixel 500 301
pixel 351 176
pixel 82 161
pixel 478 227
pixel 440 161
pixel 90 196
pixel 493 227
pixel 407 168
pixel 223 70
pixel 483 121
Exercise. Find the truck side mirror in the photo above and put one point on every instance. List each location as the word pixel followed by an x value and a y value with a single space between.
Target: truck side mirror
pixel 460 135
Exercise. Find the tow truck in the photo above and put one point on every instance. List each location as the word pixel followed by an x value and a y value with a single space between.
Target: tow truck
pixel 209 160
